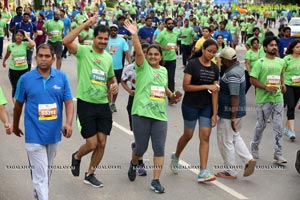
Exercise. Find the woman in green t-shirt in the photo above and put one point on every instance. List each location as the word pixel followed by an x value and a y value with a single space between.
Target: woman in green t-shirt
pixel 149 118
pixel 252 55
pixel 292 82
pixel 18 64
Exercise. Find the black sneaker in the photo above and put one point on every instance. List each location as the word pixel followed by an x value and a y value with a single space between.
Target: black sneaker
pixel 75 166
pixel 297 163
pixel 132 172
pixel 92 180
pixel 157 187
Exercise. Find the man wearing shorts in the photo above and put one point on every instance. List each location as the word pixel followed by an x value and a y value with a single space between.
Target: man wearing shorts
pixel 55 30
pixel 95 75
pixel 117 47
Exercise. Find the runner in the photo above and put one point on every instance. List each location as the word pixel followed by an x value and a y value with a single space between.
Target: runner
pixel 3 113
pixel 231 110
pixel 18 64
pixel 292 82
pixel 149 108
pixel 95 76
pixel 267 77
pixel 43 116
pixel 200 84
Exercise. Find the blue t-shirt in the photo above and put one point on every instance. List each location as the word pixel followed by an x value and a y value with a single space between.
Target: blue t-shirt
pixel 232 83
pixel 116 47
pixel 15 21
pixel 43 105
pixel 146 32
pixel 226 35
pixel 74 13
pixel 50 14
pixel 67 24
pixel 123 31
pixel 284 43
pixel 28 28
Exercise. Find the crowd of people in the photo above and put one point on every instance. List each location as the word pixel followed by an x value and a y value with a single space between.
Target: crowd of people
pixel 140 47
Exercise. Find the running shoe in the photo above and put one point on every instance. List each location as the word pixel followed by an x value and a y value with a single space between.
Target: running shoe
pixel 174 164
pixel 279 159
pixel 157 187
pixel 290 134
pixel 92 180
pixel 113 107
pixel 75 166
pixel 132 172
pixel 297 163
pixel 141 171
pixel 205 175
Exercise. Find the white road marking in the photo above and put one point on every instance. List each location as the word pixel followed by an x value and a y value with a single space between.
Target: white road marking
pixel 195 171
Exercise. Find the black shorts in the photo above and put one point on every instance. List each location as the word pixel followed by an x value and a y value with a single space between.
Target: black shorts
pixel 94 118
pixel 57 46
pixel 118 75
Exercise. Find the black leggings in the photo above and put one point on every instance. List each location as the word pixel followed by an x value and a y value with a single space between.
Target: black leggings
pixel 14 76
pixel 291 98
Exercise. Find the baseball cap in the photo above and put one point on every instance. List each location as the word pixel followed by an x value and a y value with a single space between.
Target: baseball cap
pixel 114 26
pixel 228 53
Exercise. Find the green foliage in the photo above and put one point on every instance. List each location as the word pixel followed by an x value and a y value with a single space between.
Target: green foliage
pixel 37 4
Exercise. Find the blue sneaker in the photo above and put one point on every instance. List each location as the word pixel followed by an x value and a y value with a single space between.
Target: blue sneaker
pixel 157 187
pixel 205 175
pixel 174 164
pixel 290 134
pixel 141 169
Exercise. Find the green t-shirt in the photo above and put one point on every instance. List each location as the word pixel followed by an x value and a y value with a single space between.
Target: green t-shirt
pixel 74 25
pixel 180 11
pixel 166 38
pixel 250 27
pixel 268 72
pixel 260 39
pixel 89 39
pixel 80 18
pixel 56 28
pixel 18 56
pixel 2 27
pixel 87 8
pixel 93 71
pixel 6 16
pixel 292 71
pixel 150 98
pixel 253 56
pixel 189 33
pixel 116 13
pixel 3 100
pixel 234 30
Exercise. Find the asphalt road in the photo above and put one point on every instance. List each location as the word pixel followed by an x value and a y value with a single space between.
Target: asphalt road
pixel 268 181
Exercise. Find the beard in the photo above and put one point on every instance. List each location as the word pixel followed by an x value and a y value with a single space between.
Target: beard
pixel 170 28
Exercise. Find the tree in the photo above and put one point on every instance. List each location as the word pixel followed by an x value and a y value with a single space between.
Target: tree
pixel 111 3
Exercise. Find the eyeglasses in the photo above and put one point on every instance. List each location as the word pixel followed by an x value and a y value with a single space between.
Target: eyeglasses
pixel 170 23
pixel 114 30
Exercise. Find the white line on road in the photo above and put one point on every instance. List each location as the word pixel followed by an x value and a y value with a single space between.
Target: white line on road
pixel 195 171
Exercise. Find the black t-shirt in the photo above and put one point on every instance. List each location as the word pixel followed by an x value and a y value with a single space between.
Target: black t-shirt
pixel 201 75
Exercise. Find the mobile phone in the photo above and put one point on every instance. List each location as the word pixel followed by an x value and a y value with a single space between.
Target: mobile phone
pixel 63 132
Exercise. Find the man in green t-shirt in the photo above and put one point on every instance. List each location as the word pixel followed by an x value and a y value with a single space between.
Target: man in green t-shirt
pixel 95 73
pixel 267 77
pixel 186 34
pixel 167 39
pixel 55 29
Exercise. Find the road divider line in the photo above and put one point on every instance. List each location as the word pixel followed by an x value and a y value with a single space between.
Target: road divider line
pixel 195 171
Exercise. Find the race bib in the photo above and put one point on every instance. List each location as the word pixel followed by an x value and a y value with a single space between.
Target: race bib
pixel 55 33
pixel 47 111
pixel 88 42
pixel 172 45
pixel 39 32
pixel 98 77
pixel 20 61
pixel 295 80
pixel 157 93
pixel 153 24
pixel 273 80
pixel 103 22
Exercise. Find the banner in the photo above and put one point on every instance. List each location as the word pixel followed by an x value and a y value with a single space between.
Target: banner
pixel 226 2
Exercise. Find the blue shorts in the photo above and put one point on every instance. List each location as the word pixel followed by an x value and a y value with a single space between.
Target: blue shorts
pixel 192 114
